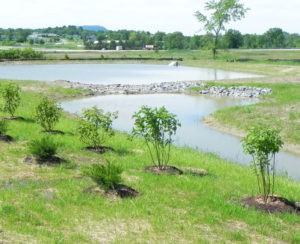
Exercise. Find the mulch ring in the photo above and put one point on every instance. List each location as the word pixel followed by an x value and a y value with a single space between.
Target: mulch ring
pixel 54 132
pixel 6 138
pixel 122 191
pixel 274 204
pixel 44 161
pixel 100 149
pixel 19 118
pixel 164 169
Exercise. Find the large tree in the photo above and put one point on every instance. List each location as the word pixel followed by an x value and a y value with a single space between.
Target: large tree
pixel 233 39
pixel 274 38
pixel 221 12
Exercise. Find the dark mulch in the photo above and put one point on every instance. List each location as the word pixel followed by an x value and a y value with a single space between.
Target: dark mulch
pixel 100 149
pixel 122 191
pixel 164 169
pixel 54 132
pixel 274 204
pixel 6 138
pixel 44 161
pixel 20 118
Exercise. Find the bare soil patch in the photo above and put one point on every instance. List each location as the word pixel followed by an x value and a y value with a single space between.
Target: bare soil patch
pixel 54 132
pixel 164 169
pixel 100 149
pixel 6 138
pixel 273 205
pixel 19 118
pixel 122 191
pixel 44 161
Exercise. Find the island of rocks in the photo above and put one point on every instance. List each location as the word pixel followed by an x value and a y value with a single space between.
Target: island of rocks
pixel 168 87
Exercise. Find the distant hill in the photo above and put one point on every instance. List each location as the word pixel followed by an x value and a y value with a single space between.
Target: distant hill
pixel 93 28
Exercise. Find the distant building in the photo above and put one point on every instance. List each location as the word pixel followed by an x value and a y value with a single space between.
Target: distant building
pixel 149 47
pixel 119 48
pixel 41 36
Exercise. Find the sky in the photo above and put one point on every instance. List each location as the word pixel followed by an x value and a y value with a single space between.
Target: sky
pixel 147 15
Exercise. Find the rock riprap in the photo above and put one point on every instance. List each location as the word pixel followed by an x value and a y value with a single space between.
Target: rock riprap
pixel 169 87
pixel 236 91
pixel 164 87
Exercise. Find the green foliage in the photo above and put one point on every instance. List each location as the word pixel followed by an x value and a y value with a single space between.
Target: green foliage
pixel 3 127
pixel 14 54
pixel 11 96
pixel 156 126
pixel 47 113
pixel 107 175
pixel 233 39
pixel 95 126
pixel 262 143
pixel 43 148
pixel 222 12
pixel 274 38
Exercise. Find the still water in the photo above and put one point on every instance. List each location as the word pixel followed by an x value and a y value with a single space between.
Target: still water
pixel 114 73
pixel 192 133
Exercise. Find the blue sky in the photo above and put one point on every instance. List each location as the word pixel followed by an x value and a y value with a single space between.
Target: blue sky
pixel 148 15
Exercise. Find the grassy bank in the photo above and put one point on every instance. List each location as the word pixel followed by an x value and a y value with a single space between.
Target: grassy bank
pixel 231 56
pixel 48 203
pixel 280 110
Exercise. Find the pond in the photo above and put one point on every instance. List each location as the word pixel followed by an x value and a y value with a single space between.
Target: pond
pixel 190 111
pixel 114 73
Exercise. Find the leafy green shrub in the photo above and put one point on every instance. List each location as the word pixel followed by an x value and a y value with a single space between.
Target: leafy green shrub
pixel 47 114
pixel 107 175
pixel 156 126
pixel 11 96
pixel 27 53
pixel 3 127
pixel 262 143
pixel 43 148
pixel 95 126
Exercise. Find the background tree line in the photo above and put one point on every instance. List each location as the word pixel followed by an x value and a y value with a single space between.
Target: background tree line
pixel 129 39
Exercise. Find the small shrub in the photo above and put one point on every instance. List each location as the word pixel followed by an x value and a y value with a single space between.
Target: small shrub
pixel 43 148
pixel 47 114
pixel 107 175
pixel 11 96
pixel 262 143
pixel 3 127
pixel 95 126
pixel 156 126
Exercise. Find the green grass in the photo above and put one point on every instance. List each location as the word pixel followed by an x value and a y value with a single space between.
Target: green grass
pixel 48 203
pixel 281 110
pixel 275 57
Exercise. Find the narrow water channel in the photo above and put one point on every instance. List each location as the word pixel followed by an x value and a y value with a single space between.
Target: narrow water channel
pixel 190 111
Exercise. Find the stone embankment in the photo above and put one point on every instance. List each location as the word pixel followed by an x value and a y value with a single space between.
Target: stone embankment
pixel 168 87
pixel 236 91
pixel 164 87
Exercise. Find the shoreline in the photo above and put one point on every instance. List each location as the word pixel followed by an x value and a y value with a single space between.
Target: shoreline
pixel 181 88
pixel 212 123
